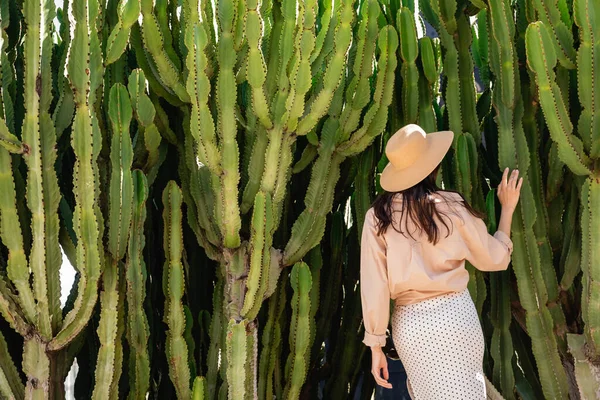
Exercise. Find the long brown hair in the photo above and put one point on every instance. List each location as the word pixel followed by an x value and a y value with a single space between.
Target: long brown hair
pixel 416 206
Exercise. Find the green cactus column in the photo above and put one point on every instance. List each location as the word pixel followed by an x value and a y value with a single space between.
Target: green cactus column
pixel 527 261
pixel 576 153
pixel 173 286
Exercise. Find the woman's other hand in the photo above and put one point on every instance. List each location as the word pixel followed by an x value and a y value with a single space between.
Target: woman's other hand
pixel 509 190
pixel 379 363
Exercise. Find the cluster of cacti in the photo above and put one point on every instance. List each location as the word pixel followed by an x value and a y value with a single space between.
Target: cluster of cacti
pixel 276 85
pixel 165 147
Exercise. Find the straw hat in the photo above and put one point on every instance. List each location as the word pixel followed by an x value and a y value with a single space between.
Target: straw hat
pixel 412 156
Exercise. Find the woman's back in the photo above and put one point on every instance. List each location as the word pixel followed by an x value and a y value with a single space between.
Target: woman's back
pixel 415 268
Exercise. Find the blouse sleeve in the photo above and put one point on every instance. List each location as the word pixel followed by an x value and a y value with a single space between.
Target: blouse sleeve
pixel 375 293
pixel 486 252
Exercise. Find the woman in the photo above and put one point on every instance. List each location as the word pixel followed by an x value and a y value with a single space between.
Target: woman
pixel 415 241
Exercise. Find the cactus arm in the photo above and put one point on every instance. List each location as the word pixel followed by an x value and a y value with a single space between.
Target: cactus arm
pixel 198 195
pixel 145 114
pixel 308 155
pixel 51 192
pixel 261 218
pixel 154 42
pixel 532 293
pixel 481 46
pixel 590 230
pixel 358 91
pixel 467 81
pixel 562 39
pixel 586 374
pixel 261 230
pixel 121 181
pixel 12 237
pixel 527 256
pixel 174 315
pixel 376 116
pixel 237 353
pixel 11 386
pixel 298 359
pixel 541 58
pixel 199 391
pixel 410 74
pixel 32 12
pixel 320 104
pixel 229 218
pixel 256 70
pixel 143 60
pixel 301 78
pixel 135 275
pixel 502 350
pixel 309 228
pixel 107 332
pixel 587 67
pixel 288 56
pixel 268 151
pixel 198 86
pixel 427 86
pixel 162 12
pixel 325 13
pixel 118 364
pixel 117 41
pixel 85 218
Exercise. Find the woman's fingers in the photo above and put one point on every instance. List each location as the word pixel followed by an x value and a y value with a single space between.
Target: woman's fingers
pixel 504 177
pixel 386 374
pixel 520 184
pixel 380 381
pixel 513 179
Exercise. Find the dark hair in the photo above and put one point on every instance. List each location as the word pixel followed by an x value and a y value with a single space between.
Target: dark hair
pixel 417 206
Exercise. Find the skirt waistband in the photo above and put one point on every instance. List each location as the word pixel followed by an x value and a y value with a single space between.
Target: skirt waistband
pixel 437 299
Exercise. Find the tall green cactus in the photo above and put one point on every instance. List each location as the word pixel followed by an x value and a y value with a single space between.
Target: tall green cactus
pixel 173 284
pixel 136 275
pixel 576 153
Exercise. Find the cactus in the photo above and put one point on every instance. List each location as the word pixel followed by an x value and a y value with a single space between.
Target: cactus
pixel 173 285
pixel 298 360
pixel 136 275
pixel 577 152
pixel 165 147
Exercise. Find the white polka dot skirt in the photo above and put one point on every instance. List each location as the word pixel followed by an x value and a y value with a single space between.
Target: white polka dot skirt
pixel 441 345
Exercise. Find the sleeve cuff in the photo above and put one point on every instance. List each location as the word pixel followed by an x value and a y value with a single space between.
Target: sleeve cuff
pixel 374 340
pixel 503 237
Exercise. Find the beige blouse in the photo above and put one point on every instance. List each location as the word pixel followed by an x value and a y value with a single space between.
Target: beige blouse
pixel 395 266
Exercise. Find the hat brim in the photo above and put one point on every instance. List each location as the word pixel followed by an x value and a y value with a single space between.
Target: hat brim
pixel 396 180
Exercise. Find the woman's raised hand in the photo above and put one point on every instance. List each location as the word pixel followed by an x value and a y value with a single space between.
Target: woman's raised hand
pixel 509 189
pixel 379 363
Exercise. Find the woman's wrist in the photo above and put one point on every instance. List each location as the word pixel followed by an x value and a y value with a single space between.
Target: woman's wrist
pixel 508 209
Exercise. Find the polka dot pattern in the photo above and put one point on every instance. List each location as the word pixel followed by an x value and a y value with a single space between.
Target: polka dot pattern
pixel 441 345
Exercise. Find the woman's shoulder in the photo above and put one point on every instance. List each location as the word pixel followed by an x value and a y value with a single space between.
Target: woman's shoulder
pixel 453 204
pixel 449 196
